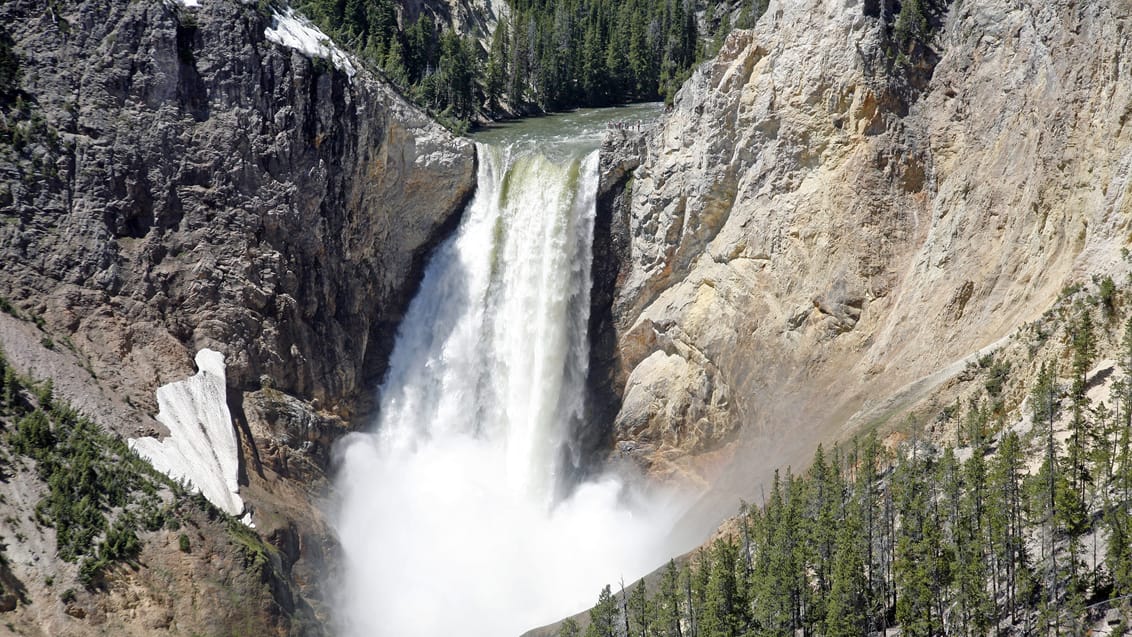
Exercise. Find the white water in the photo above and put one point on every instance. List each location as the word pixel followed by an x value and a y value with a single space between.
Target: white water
pixel 450 518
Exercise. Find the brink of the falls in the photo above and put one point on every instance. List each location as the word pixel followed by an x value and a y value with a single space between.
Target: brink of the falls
pixel 454 514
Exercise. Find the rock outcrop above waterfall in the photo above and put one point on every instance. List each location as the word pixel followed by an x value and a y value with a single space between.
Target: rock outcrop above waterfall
pixel 821 228
pixel 178 176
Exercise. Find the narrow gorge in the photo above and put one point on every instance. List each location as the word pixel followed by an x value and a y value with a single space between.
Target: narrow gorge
pixel 460 382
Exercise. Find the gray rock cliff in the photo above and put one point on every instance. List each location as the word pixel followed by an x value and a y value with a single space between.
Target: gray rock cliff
pixel 172 179
pixel 201 185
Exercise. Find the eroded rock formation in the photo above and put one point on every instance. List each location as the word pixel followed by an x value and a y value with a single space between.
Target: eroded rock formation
pixel 822 226
pixel 172 180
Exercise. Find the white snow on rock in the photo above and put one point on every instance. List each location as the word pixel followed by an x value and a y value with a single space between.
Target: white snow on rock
pixel 295 31
pixel 201 446
pixel 191 4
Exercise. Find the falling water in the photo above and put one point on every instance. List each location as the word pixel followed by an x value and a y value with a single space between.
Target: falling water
pixel 453 518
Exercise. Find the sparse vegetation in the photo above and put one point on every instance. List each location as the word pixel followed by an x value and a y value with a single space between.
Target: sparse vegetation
pixel 7 308
pixel 99 493
pixel 257 554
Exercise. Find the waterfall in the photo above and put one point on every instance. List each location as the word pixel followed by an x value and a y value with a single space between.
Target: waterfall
pixel 454 516
pixel 494 345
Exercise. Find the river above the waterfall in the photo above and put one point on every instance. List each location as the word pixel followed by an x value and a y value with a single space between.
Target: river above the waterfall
pixel 569 134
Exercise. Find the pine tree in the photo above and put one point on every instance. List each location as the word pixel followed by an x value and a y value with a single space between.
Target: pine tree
pixel 871 508
pixel 667 603
pixel 776 590
pixel 690 604
pixel 617 61
pixel 639 612
pixel 723 614
pixel 698 580
pixel 1119 550
pixel 495 82
pixel 846 608
pixel 971 540
pixel 1083 354
pixel 420 49
pixel 394 64
pixel 917 549
pixel 603 616
pixel 1045 403
pixel 1005 519
pixel 824 501
pixel 911 27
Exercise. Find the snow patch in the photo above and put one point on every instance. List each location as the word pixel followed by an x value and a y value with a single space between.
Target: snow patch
pixel 201 446
pixel 296 32
pixel 191 4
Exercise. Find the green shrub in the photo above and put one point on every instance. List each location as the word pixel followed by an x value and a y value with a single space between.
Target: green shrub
pixel 9 67
pixel 90 570
pixel 996 377
pixel 1107 290
pixel 256 553
pixel 33 436
pixel 44 394
pixel 121 543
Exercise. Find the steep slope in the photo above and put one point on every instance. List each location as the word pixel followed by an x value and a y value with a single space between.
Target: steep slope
pixel 820 230
pixel 182 176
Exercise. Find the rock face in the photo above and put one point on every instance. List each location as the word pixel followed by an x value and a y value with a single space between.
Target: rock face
pixel 209 187
pixel 476 18
pixel 173 179
pixel 818 224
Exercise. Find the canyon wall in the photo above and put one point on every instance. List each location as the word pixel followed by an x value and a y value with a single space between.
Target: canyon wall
pixel 826 225
pixel 182 176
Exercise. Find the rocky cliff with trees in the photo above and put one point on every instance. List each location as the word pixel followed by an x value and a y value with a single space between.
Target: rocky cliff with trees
pixel 1004 512
pixel 900 218
pixel 846 206
pixel 534 56
pixel 175 176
